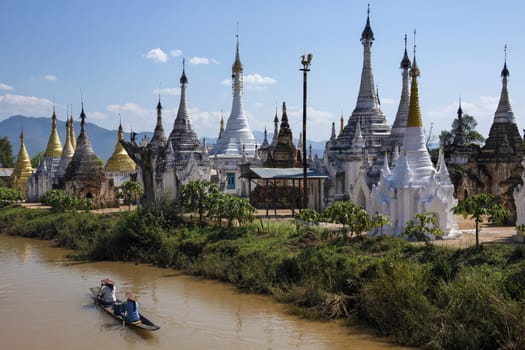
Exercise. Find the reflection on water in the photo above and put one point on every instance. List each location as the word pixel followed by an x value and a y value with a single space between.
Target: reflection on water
pixel 48 305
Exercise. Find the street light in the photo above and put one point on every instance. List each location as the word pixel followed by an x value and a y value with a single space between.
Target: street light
pixel 306 60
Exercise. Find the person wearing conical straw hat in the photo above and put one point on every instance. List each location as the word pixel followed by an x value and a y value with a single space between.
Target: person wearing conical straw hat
pixel 106 294
pixel 131 308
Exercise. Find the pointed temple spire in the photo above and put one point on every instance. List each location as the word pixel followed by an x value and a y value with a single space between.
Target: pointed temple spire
pixel 54 146
pixel 341 125
pixel 221 125
pixel 504 112
pixel 237 133
pixel 22 170
pixel 68 150
pixel 275 128
pixel 333 136
pixel 183 137
pixel 400 123
pixel 459 137
pixel 367 97
pixel 72 135
pixel 159 136
pixel 417 155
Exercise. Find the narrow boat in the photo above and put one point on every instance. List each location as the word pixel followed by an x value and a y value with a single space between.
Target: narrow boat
pixel 144 323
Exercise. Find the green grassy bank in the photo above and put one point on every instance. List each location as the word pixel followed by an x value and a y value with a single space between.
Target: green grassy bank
pixel 420 295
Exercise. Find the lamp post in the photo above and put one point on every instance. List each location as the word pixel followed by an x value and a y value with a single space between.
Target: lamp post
pixel 306 60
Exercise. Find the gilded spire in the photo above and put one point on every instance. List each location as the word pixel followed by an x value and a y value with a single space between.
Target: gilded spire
pixel 54 146
pixel 237 65
pixel 398 129
pixel 414 112
pixel 342 125
pixel 120 160
pixel 23 169
pixel 68 150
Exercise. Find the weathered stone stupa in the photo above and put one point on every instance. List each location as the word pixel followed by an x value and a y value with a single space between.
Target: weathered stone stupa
pixel 85 177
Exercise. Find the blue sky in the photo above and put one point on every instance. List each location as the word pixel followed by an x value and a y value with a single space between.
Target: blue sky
pixel 119 52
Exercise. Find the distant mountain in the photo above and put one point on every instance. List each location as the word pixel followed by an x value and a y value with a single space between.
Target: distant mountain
pixel 38 129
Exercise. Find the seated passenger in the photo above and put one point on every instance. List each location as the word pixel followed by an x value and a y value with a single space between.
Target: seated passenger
pixel 106 294
pixel 131 308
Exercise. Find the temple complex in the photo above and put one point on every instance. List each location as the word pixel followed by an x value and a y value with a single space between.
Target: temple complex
pixel 353 159
pixel 85 177
pixel 22 170
pixel 413 185
pixel 166 163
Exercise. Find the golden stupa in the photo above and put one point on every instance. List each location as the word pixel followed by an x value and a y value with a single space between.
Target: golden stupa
pixel 22 170
pixel 54 146
pixel 72 137
pixel 120 160
pixel 68 150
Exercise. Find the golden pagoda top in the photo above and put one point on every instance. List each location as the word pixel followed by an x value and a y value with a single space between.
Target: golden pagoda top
pixel 414 112
pixel 237 65
pixel 72 137
pixel 68 150
pixel 23 168
pixel 120 159
pixel 54 146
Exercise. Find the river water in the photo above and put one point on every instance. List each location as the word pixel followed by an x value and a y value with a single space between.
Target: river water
pixel 45 304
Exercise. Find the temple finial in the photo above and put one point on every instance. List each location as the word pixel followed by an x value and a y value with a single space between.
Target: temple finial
pixel 405 41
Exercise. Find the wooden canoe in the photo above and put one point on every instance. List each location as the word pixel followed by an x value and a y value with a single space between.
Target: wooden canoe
pixel 144 323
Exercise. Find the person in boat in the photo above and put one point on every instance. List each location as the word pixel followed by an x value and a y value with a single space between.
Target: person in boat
pixel 131 308
pixel 106 295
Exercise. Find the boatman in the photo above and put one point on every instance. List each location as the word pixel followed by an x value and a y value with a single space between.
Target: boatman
pixel 106 295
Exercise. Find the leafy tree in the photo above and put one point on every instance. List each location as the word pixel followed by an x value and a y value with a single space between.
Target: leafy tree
pixel 469 126
pixel 309 215
pixel 35 161
pixel 380 220
pixel 9 195
pixel 348 214
pixel 59 201
pixel 6 153
pixel 422 226
pixel 195 196
pixel 131 191
pixel 480 207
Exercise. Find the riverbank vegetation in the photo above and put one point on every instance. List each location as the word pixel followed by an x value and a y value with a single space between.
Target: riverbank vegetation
pixel 416 294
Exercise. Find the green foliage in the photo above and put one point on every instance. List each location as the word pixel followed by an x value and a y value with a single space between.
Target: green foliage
pixel 348 214
pixel 195 197
pixel 35 161
pixel 59 201
pixel 9 196
pixel 422 227
pixel 6 153
pixel 379 220
pixel 309 216
pixel 131 191
pixel 232 208
pixel 479 207
pixel 469 126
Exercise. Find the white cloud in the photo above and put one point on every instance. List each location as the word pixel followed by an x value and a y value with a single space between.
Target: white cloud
pixel 253 82
pixel 176 53
pixel 24 105
pixel 199 60
pixel 6 87
pixel 387 100
pixel 318 124
pixel 50 77
pixel 156 55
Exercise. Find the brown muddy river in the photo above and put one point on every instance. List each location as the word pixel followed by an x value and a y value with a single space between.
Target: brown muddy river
pixel 45 304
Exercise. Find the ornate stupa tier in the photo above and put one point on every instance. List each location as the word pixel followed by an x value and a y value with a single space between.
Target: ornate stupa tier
pixel 237 135
pixel 183 138
pixel 23 169
pixel 54 146
pixel 371 119
pixel 120 161
pixel 504 141
pixel 84 159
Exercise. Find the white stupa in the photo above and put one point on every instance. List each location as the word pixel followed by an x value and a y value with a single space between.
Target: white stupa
pixel 237 135
pixel 414 186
